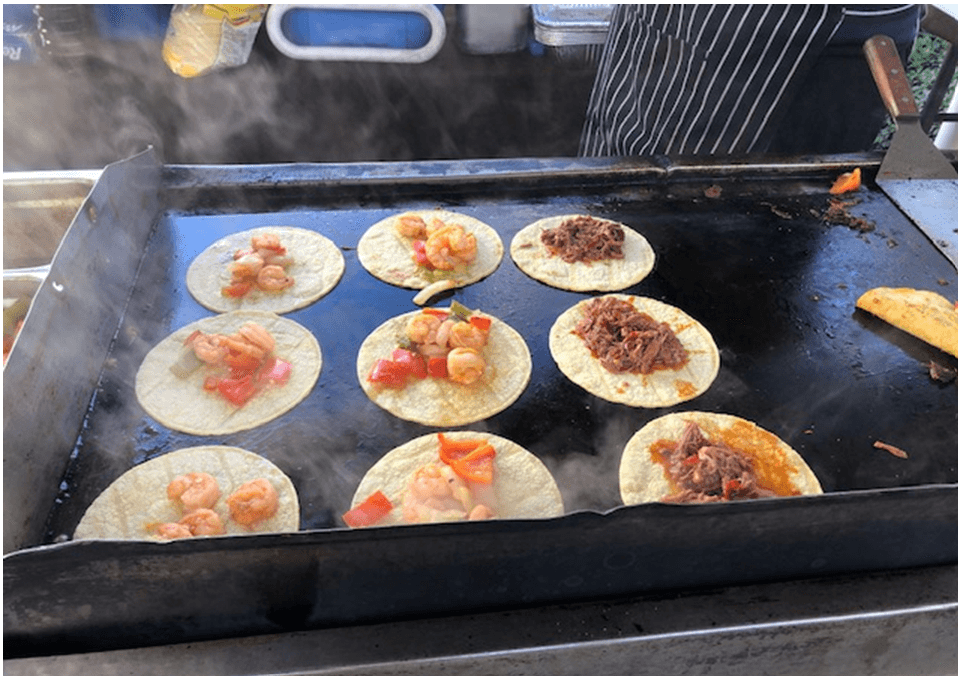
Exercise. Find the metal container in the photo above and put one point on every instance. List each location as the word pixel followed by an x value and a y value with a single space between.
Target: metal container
pixel 742 246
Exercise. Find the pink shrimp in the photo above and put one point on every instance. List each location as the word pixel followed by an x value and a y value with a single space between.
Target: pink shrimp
pixel 253 502
pixel 465 365
pixel 273 278
pixel 450 247
pixel 173 531
pixel 210 348
pixel 411 225
pixel 197 490
pixel 204 522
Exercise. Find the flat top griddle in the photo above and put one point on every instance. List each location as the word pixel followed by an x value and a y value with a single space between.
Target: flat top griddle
pixel 745 249
pixel 772 280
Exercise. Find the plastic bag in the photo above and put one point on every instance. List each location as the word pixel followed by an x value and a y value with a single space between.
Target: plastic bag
pixel 203 38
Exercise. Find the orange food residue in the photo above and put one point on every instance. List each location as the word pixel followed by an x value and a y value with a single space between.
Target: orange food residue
pixel 847 182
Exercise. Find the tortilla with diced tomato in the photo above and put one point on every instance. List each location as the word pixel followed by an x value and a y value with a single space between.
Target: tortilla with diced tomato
pixel 131 506
pixel 524 487
pixel 388 256
pixel 642 470
pixel 924 314
pixel 664 387
pixel 317 267
pixel 183 404
pixel 535 259
pixel 440 401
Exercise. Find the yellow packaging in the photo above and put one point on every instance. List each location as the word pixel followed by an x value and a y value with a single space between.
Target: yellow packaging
pixel 204 38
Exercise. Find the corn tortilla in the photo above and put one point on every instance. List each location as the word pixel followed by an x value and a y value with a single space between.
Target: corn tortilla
pixel 923 314
pixel 317 267
pixel 534 259
pixel 388 256
pixel 137 500
pixel 524 487
pixel 664 387
pixel 641 479
pixel 182 403
pixel 441 402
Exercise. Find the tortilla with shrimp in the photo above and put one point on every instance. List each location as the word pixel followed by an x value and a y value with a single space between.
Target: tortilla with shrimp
pixel 664 387
pixel 441 402
pixel 136 501
pixel 524 487
pixel 613 274
pixel 317 267
pixel 388 256
pixel 181 403
pixel 642 470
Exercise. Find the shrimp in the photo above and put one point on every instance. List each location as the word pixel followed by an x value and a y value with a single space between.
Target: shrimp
pixel 173 531
pixel 247 265
pixel 204 522
pixel 465 365
pixel 197 490
pixel 239 346
pixel 273 278
pixel 411 225
pixel 210 348
pixel 253 502
pixel 422 328
pixel 267 241
pixel 436 493
pixel 465 334
pixel 450 247
pixel 479 513
pixel 258 336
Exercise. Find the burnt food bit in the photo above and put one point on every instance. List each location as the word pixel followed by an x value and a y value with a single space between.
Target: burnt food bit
pixel 707 472
pixel 584 238
pixel 625 340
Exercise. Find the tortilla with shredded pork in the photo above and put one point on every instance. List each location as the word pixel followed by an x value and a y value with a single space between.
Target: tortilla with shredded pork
pixel 536 260
pixel 663 387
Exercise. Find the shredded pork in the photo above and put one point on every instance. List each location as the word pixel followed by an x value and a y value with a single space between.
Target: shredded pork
pixel 707 472
pixel 584 238
pixel 625 340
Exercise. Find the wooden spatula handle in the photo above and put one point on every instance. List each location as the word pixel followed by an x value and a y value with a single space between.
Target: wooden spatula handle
pixel 889 74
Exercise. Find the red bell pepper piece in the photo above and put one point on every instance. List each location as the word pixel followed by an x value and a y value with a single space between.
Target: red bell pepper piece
pixel 454 449
pixel 481 323
pixel 369 512
pixel 477 466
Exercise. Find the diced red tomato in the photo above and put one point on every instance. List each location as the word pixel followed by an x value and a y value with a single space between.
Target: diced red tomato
pixel 369 512
pixel 242 362
pixel 481 323
pixel 436 368
pixel 412 361
pixel 275 370
pixel 388 373
pixel 237 289
pixel 453 449
pixel 237 390
pixel 243 252
pixel 478 466
pixel 419 254
pixel 731 487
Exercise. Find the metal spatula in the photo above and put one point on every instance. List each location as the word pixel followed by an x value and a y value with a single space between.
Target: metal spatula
pixel 914 173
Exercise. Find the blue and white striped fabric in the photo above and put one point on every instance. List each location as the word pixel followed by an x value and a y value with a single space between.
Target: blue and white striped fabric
pixel 696 79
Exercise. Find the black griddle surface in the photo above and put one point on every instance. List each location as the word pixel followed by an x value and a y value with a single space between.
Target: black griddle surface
pixel 758 265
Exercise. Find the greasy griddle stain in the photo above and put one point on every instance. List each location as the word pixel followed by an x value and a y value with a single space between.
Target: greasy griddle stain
pixel 772 469
pixel 685 389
